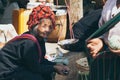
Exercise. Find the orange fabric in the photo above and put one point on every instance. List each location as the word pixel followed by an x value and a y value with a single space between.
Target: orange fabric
pixel 38 13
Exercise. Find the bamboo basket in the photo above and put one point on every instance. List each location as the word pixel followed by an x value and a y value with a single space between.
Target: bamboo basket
pixel 59 33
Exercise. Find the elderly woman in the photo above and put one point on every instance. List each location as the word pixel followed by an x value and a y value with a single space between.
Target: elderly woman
pixel 22 58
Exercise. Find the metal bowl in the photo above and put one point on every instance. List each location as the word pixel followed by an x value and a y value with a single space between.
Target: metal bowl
pixel 67 42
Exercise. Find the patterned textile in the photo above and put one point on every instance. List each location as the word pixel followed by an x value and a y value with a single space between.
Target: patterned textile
pixel 38 13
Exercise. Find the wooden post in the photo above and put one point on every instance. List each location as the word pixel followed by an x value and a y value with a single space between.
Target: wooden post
pixel 76 10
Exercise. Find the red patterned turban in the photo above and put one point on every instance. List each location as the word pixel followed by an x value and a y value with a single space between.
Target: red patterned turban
pixel 38 13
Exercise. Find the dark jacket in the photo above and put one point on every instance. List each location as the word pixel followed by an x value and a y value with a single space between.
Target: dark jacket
pixel 22 55
pixel 83 29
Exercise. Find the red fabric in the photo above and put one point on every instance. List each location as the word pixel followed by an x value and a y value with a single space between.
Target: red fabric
pixel 38 13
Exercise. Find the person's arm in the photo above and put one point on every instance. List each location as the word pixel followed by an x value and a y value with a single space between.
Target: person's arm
pixel 31 61
pixel 45 61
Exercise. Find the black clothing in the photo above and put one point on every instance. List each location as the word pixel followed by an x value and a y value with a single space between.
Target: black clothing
pixel 83 29
pixel 21 57
pixel 105 67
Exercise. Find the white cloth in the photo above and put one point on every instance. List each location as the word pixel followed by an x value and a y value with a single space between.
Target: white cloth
pixel 109 11
pixel 7 16
pixel 7 32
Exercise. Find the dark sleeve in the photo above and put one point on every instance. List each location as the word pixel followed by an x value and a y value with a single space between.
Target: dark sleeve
pixel 31 59
pixel 45 61
pixel 78 46
pixel 87 25
pixel 83 29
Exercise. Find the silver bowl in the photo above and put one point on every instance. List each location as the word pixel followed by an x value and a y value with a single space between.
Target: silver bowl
pixel 67 42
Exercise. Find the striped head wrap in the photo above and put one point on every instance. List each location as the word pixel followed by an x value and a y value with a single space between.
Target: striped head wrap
pixel 39 13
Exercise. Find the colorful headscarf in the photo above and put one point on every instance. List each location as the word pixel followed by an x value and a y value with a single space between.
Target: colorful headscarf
pixel 38 13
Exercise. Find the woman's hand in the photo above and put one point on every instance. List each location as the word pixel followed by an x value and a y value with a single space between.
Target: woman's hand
pixel 62 69
pixel 94 45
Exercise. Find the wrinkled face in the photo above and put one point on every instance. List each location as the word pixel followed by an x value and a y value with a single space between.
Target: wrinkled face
pixel 44 28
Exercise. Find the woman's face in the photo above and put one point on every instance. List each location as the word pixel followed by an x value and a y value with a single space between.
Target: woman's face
pixel 44 28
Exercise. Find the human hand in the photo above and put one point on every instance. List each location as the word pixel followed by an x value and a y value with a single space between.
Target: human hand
pixel 94 45
pixel 62 69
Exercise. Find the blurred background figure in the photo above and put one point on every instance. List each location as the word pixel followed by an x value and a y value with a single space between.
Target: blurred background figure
pixel 12 5
pixel 83 28
pixel 3 4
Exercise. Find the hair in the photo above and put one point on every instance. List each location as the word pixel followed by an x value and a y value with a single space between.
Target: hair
pixel 34 30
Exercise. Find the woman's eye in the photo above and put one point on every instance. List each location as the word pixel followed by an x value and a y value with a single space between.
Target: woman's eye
pixel 50 27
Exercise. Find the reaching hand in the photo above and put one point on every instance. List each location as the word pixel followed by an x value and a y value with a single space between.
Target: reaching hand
pixel 95 45
pixel 62 69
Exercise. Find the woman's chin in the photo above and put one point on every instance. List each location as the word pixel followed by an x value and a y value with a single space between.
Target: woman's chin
pixel 44 36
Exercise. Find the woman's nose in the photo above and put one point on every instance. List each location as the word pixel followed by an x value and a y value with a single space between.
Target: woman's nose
pixel 47 29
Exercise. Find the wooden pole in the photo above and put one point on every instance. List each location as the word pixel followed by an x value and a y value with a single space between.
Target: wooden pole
pixel 75 12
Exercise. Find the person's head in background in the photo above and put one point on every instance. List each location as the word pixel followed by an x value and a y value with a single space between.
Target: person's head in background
pixel 41 21
pixel 90 5
pixel 21 3
pixel 99 3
